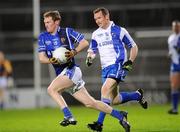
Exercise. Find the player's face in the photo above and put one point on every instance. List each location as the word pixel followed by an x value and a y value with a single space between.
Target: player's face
pixel 176 27
pixel 101 20
pixel 50 25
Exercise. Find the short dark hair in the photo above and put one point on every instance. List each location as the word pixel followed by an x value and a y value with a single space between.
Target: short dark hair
pixel 54 14
pixel 102 9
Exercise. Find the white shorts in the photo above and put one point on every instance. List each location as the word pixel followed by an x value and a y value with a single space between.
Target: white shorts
pixel 75 75
pixel 3 82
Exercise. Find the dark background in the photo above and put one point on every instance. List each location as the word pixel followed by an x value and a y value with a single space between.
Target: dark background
pixel 151 69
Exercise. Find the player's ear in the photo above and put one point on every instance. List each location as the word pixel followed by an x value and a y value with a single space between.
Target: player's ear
pixel 57 22
pixel 107 17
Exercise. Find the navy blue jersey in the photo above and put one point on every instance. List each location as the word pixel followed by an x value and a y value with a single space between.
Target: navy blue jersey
pixel 65 37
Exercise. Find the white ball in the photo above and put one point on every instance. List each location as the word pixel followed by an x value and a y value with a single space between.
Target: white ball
pixel 59 53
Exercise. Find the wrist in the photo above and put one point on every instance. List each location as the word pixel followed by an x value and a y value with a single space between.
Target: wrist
pixel 130 61
pixel 75 52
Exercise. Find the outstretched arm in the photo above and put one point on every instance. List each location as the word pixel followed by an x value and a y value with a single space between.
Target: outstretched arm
pixel 82 45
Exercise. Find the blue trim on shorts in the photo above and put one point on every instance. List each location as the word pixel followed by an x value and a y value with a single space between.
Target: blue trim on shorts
pixel 70 72
pixel 175 67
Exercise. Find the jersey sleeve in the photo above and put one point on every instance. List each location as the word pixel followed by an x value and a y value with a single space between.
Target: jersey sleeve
pixel 76 36
pixel 41 44
pixel 93 44
pixel 126 38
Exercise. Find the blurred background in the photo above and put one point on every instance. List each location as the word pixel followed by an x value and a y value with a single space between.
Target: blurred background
pixel 148 21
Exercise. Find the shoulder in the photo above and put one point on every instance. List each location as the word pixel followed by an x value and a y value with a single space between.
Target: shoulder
pixel 73 32
pixel 123 29
pixel 43 34
pixel 62 31
pixel 69 29
pixel 97 31
pixel 171 37
pixel 118 29
pixel 7 62
pixel 115 26
pixel 64 28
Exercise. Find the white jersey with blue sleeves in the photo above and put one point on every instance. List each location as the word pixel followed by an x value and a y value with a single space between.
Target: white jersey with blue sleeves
pixel 110 43
pixel 173 42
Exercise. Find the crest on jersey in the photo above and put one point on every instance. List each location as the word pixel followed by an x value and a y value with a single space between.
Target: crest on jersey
pixel 63 39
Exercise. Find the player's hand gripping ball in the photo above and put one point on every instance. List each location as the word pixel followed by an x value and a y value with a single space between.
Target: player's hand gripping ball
pixel 70 54
pixel 59 56
pixel 53 60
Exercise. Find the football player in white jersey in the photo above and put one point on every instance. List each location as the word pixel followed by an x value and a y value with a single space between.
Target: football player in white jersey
pixel 174 52
pixel 69 76
pixel 110 41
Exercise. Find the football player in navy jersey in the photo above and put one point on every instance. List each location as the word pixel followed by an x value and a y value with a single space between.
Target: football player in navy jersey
pixel 69 76
pixel 110 41
pixel 174 53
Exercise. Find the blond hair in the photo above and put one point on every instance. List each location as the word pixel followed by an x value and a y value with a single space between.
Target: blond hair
pixel 54 14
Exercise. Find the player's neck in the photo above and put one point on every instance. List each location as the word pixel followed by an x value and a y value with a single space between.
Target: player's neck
pixel 55 31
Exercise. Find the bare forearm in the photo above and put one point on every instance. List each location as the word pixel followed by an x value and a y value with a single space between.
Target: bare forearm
pixel 133 53
pixel 45 61
pixel 82 45
pixel 43 58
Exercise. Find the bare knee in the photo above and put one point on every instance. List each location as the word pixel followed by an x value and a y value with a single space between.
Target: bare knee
pixel 50 90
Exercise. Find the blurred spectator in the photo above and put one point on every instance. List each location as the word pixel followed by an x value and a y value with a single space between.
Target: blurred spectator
pixel 174 52
pixel 5 77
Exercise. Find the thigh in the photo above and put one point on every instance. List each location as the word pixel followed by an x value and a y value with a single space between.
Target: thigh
pixel 108 87
pixel 175 79
pixel 179 79
pixel 61 82
pixel 75 75
pixel 70 80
